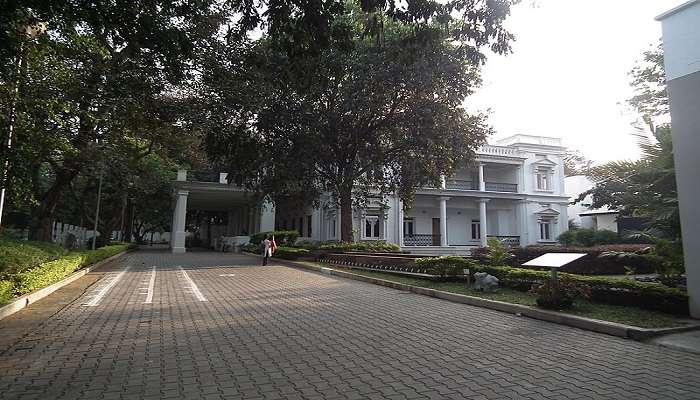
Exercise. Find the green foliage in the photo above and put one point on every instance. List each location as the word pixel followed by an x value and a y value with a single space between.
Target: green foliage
pixel 375 245
pixel 48 272
pixel 567 238
pixel 588 237
pixel 445 266
pixel 19 255
pixel 558 295
pixel 670 254
pixel 497 253
pixel 251 248
pixel 282 238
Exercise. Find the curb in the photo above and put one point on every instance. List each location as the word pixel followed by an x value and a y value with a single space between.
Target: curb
pixel 609 328
pixel 24 300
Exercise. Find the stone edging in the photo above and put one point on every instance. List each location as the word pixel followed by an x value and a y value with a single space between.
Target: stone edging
pixel 24 300
pixel 610 328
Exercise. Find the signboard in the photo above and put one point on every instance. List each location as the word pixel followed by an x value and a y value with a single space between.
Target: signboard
pixel 554 260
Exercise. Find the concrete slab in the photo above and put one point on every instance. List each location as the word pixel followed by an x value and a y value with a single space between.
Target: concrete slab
pixel 686 341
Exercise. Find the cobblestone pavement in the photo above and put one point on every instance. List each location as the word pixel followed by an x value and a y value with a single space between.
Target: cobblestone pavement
pixel 220 326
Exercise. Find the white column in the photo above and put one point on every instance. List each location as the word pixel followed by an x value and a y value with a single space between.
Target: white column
pixel 443 182
pixel 178 234
pixel 523 230
pixel 443 221
pixel 482 221
pixel 482 183
pixel 519 179
pixel 399 219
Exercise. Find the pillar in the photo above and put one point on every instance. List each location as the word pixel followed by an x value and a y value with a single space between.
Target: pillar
pixel 482 183
pixel 399 218
pixel 522 222
pixel 178 233
pixel 443 221
pixel 482 222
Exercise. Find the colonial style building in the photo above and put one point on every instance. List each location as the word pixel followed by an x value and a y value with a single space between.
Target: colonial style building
pixel 514 192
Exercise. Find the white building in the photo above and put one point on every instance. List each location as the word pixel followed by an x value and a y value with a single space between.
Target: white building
pixel 514 191
pixel 581 213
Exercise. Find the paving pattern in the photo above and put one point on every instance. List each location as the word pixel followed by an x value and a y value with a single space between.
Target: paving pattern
pixel 218 326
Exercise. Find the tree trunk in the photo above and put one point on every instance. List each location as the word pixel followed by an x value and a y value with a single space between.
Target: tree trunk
pixel 41 230
pixel 346 215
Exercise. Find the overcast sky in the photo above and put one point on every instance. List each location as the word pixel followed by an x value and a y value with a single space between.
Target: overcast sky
pixel 568 74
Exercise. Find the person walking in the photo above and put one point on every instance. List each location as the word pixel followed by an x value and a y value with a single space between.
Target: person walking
pixel 267 249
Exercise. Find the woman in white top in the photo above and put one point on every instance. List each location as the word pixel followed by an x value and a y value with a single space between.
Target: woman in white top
pixel 267 249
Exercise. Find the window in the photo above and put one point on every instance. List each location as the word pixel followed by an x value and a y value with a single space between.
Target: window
pixel 543 179
pixel 301 226
pixel 476 229
pixel 308 226
pixel 408 225
pixel 371 228
pixel 331 228
pixel 545 229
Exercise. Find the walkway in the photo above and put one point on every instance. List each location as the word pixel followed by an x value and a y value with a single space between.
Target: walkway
pixel 213 326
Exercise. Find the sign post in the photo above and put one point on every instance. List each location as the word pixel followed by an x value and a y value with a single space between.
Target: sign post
pixel 554 261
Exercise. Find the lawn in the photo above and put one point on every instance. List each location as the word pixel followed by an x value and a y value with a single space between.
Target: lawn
pixel 606 312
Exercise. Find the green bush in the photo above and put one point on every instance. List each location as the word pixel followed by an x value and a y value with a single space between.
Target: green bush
pixel 378 246
pixel 19 255
pixel 445 266
pixel 619 291
pixel 46 273
pixel 567 238
pixel 604 236
pixel 558 295
pixel 251 248
pixel 585 237
pixel 496 252
pixel 6 288
pixel 282 238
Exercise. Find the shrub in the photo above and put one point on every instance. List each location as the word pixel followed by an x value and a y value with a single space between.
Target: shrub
pixel 291 253
pixel 558 295
pixel 282 238
pixel 19 255
pixel 307 244
pixel 585 237
pixel 567 238
pixel 445 266
pixel 619 291
pixel 604 236
pixel 101 242
pixel 6 288
pixel 378 246
pixel 251 248
pixel 496 253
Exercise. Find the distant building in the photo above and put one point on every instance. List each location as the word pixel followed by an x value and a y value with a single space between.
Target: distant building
pixel 581 214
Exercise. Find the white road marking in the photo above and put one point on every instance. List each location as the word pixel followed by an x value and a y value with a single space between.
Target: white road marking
pixel 227 274
pixel 95 301
pixel 151 284
pixel 193 287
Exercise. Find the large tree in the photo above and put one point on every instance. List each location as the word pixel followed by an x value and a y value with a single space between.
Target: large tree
pixel 379 110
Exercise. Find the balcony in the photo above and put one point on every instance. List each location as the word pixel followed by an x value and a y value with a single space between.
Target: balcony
pixel 501 187
pixel 419 239
pixel 500 151
pixel 461 184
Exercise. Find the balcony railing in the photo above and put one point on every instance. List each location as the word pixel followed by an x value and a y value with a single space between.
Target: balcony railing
pixel 461 184
pixel 499 151
pixel 419 239
pixel 501 187
pixel 510 241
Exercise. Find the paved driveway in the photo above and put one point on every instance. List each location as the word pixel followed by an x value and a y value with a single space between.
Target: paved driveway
pixel 211 325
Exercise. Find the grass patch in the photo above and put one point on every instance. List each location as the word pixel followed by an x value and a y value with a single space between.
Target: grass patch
pixel 621 314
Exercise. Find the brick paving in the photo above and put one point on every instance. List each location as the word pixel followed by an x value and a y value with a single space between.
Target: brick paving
pixel 281 333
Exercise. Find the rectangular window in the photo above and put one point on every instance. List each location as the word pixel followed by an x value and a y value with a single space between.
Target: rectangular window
pixel 301 226
pixel 331 228
pixel 476 229
pixel 545 230
pixel 308 226
pixel 408 227
pixel 371 229
pixel 543 181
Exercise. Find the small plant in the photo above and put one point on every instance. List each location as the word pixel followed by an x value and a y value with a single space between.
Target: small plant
pixel 448 266
pixel 497 254
pixel 567 238
pixel 558 295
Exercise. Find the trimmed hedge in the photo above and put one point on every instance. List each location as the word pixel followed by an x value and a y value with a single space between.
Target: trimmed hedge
pixel 618 291
pixel 19 255
pixel 281 237
pixel 599 260
pixel 49 272
pixel 378 245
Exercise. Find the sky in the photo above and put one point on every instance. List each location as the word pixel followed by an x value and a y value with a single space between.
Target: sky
pixel 568 74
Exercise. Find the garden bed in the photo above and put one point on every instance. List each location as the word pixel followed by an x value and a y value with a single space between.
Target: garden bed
pixel 20 277
pixel 613 313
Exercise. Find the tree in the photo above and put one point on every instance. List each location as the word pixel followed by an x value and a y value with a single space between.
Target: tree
pixel 379 114
pixel 575 163
pixel 646 187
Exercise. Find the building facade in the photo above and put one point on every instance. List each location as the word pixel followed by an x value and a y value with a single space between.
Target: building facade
pixel 514 192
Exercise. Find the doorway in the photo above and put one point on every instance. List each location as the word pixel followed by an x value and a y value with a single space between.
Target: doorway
pixel 436 231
